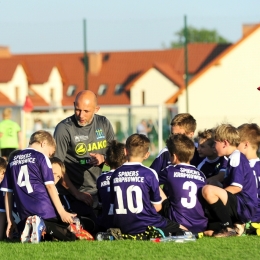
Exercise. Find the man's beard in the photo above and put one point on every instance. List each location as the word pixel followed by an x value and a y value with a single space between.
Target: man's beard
pixel 87 123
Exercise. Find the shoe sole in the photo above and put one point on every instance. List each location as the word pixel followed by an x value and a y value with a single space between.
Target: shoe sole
pixel 26 234
pixel 36 232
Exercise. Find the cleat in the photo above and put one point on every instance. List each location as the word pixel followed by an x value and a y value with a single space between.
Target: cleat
pixel 26 234
pixel 228 232
pixel 240 229
pixel 38 229
pixel 80 233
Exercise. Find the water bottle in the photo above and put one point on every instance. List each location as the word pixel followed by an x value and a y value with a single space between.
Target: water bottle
pixel 104 236
pixel 76 221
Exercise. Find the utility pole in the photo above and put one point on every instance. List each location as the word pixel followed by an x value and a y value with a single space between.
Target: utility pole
pixel 85 54
pixel 186 62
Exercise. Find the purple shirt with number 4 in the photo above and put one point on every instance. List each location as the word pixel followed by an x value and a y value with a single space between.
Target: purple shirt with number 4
pixel 27 175
pixel 134 188
pixel 185 183
pixel 240 174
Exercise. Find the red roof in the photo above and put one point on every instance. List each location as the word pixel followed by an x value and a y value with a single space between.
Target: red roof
pixel 122 68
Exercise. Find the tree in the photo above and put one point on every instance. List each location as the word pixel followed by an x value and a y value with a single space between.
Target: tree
pixel 198 35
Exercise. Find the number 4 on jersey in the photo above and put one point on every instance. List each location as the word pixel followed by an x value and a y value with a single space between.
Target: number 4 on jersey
pixel 26 182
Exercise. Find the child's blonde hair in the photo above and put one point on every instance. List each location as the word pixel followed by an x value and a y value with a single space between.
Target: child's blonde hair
pixel 250 133
pixel 137 145
pixel 185 121
pixel 42 135
pixel 229 133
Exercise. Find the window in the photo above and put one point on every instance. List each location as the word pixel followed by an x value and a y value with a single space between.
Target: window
pixel 102 89
pixel 119 89
pixel 71 90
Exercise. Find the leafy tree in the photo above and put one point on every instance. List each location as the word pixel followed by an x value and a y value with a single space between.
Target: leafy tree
pixel 197 35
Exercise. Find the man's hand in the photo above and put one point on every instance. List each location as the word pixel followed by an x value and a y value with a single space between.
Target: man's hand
pixel 67 217
pixel 11 227
pixel 97 158
pixel 85 197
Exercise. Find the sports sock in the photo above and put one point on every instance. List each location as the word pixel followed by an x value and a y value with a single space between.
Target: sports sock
pixel 221 212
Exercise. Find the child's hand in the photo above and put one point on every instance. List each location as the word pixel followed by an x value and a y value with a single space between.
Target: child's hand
pixel 67 217
pixel 11 227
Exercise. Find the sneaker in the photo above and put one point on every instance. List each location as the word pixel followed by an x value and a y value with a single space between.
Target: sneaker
pixel 228 232
pixel 38 229
pixel 116 233
pixel 240 229
pixel 26 234
pixel 81 234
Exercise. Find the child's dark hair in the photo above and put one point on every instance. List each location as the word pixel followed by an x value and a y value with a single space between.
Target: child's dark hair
pixel 182 146
pixel 115 155
pixel 3 163
pixel 59 162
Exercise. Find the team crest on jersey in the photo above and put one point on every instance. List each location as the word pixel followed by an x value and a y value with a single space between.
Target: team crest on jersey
pixel 79 138
pixel 99 134
pixel 81 149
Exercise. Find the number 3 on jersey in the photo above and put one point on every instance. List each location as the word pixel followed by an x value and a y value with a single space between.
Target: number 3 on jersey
pixel 191 202
pixel 26 182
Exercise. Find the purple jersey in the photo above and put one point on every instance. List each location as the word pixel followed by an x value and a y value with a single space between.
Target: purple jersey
pixel 134 188
pixel 26 176
pixel 103 186
pixel 213 167
pixel 185 183
pixel 255 165
pixel 240 174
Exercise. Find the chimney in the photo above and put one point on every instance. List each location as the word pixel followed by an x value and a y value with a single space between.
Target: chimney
pixel 246 28
pixel 4 52
pixel 95 62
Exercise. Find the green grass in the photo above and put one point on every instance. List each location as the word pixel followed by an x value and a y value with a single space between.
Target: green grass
pixel 206 248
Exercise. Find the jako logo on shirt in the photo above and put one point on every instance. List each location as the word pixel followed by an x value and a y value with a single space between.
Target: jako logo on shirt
pixel 99 134
pixel 82 148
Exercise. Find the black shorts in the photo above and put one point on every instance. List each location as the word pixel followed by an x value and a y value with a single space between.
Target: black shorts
pixel 232 206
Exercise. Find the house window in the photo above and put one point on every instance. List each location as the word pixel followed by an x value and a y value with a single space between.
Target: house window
pixel 119 89
pixel 52 94
pixel 102 89
pixel 143 98
pixel 71 90
pixel 17 94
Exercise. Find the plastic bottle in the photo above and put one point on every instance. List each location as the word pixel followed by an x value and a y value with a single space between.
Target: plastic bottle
pixel 76 221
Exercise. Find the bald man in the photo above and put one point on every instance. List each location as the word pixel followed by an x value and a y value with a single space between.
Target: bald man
pixel 81 144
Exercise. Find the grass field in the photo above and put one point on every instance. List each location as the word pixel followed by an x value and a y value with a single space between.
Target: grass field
pixel 232 248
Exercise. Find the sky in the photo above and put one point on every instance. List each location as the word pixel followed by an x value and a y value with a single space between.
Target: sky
pixel 51 26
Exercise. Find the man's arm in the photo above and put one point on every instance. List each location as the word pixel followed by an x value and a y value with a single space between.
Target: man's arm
pixel 82 196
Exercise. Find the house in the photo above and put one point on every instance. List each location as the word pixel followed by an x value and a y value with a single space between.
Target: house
pixel 130 85
pixel 225 90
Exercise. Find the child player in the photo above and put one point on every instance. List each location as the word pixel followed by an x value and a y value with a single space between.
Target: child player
pixel 184 183
pixel 135 193
pixel 212 166
pixel 115 157
pixel 238 200
pixel 30 178
pixel 3 165
pixel 249 144
pixel 182 123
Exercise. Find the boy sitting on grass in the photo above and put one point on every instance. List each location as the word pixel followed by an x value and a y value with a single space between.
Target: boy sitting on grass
pixel 184 182
pixel 30 178
pixel 212 166
pixel 238 200
pixel 249 144
pixel 115 157
pixel 135 193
